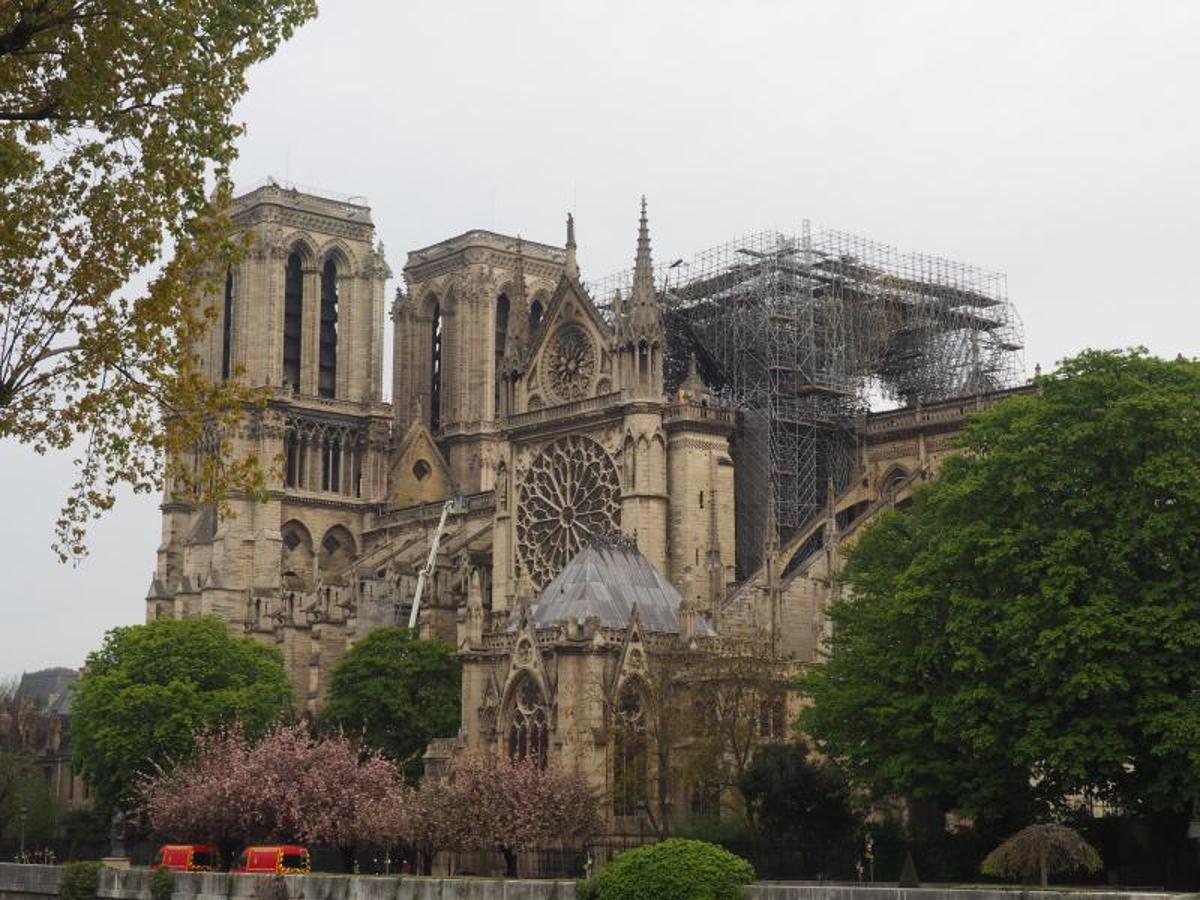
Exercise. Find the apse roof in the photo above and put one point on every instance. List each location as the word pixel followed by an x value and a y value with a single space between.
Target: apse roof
pixel 604 581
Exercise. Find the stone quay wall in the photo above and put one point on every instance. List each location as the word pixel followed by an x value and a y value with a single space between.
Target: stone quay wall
pixel 19 882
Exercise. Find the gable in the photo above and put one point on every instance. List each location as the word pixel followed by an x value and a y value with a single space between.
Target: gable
pixel 418 473
pixel 569 358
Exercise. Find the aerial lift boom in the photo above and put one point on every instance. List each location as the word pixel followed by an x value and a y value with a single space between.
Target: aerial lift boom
pixel 453 505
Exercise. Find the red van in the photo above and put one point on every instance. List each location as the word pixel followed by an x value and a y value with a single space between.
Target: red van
pixel 187 858
pixel 280 859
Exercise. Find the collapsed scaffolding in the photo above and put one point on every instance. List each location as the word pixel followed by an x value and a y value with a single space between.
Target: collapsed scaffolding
pixel 807 333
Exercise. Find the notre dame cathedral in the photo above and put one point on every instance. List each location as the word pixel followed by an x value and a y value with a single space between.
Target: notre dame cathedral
pixel 606 502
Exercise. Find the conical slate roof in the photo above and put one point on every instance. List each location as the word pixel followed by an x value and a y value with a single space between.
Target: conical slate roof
pixel 606 580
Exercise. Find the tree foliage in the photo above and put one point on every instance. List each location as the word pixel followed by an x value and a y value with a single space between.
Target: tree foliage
pixel 708 709
pixel 288 786
pixel 1040 851
pixel 150 690
pixel 25 731
pixel 80 881
pixel 115 119
pixel 674 869
pixel 797 803
pixel 399 691
pixel 1029 631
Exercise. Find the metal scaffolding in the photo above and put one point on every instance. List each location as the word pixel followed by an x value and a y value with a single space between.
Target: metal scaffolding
pixel 806 333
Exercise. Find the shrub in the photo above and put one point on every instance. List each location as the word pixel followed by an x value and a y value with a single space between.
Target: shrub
pixel 1040 851
pixel 162 884
pixel 675 869
pixel 79 881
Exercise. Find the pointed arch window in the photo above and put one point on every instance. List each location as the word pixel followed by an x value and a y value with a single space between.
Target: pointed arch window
pixel 630 759
pixel 435 370
pixel 529 723
pixel 327 363
pixel 501 344
pixel 293 317
pixel 227 327
pixel 535 315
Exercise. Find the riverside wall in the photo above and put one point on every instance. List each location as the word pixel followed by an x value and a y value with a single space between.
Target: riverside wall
pixel 19 882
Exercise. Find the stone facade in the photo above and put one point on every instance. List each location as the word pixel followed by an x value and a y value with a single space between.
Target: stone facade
pixel 550 423
pixel 36 724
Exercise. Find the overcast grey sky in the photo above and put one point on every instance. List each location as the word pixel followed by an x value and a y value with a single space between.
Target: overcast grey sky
pixel 1057 142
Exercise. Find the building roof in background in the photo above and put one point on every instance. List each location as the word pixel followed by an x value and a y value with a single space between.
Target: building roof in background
pixel 49 689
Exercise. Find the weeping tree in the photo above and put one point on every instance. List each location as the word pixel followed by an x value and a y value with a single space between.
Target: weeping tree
pixel 1041 851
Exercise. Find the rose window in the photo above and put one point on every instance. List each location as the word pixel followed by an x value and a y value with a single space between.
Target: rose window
pixel 571 363
pixel 570 494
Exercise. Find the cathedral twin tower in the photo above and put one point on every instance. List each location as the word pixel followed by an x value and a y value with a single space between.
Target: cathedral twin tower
pixel 511 390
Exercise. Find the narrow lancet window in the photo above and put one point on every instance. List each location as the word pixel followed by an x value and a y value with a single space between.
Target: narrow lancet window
pixel 501 342
pixel 435 371
pixel 327 379
pixel 227 327
pixel 630 762
pixel 293 315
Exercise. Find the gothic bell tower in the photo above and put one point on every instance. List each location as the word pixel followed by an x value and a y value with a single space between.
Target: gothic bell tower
pixel 299 316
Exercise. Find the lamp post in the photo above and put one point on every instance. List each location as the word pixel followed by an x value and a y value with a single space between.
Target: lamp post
pixel 22 813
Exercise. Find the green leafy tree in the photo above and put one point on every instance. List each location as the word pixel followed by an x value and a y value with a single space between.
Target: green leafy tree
pixel 400 691
pixel 114 123
pixel 802 807
pixel 1029 631
pixel 151 689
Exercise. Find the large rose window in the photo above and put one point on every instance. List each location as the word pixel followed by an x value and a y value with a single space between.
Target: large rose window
pixel 570 494
pixel 571 364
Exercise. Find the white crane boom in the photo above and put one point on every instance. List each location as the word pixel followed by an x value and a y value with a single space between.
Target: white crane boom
pixel 454 504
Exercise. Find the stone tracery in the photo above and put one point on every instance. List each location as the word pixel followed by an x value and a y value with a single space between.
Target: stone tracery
pixel 528 723
pixel 570 493
pixel 571 364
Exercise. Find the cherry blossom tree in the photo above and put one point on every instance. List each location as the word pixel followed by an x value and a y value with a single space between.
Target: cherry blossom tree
pixel 205 797
pixel 509 806
pixel 289 785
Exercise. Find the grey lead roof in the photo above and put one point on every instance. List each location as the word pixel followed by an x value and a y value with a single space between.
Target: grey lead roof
pixel 605 580
pixel 49 689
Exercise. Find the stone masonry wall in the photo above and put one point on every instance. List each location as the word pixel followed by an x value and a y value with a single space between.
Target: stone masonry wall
pixel 41 883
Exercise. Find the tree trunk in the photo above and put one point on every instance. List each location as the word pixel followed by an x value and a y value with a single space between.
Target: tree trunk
pixel 510 863
pixel 228 849
pixel 1042 864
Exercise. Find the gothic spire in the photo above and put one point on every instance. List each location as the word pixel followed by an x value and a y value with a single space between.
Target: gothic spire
pixel 771 538
pixel 518 290
pixel 693 384
pixel 572 267
pixel 644 312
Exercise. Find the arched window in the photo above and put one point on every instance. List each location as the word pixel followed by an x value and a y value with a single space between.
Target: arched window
pixel 535 316
pixel 293 315
pixel 327 378
pixel 528 723
pixel 297 548
pixel 435 370
pixel 227 327
pixel 501 341
pixel 291 446
pixel 893 480
pixel 337 552
pixel 630 763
